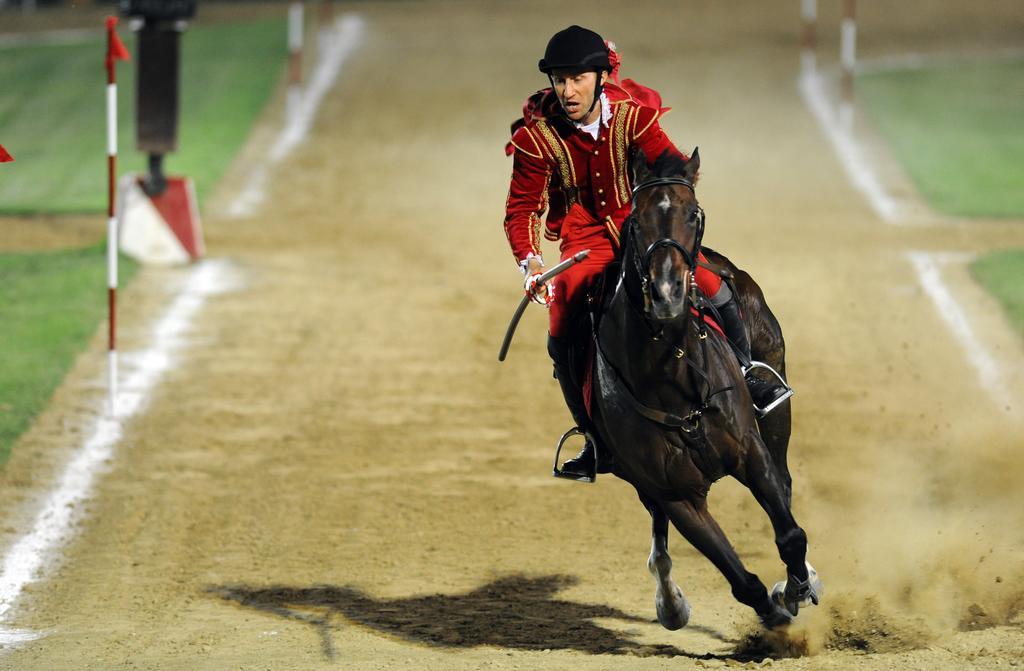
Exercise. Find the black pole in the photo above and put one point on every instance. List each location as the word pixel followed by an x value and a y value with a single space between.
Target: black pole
pixel 159 25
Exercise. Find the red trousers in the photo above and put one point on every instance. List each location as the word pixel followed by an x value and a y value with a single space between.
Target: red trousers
pixel 572 285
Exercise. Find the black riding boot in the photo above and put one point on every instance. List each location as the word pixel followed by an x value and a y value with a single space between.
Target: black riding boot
pixel 763 392
pixel 585 464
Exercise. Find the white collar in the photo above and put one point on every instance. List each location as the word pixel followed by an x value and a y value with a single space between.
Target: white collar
pixel 606 114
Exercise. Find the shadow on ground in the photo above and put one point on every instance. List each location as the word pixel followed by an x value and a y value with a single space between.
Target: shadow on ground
pixel 514 612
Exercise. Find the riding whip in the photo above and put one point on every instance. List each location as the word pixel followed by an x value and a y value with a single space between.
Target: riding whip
pixel 521 308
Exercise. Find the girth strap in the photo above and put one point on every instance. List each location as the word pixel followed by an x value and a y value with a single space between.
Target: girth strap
pixel 686 424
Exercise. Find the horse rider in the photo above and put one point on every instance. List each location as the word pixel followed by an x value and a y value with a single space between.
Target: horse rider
pixel 570 159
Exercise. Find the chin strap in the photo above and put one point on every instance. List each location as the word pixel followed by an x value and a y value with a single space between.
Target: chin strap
pixel 597 95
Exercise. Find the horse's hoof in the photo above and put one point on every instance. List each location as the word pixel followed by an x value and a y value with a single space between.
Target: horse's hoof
pixel 776 617
pixel 792 593
pixel 674 612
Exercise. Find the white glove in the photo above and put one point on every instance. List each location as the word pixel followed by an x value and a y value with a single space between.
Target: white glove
pixel 530 283
pixel 534 292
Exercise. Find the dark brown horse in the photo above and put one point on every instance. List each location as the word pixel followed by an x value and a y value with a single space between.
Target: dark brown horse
pixel 671 404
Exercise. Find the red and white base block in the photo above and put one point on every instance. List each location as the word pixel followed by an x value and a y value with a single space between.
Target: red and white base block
pixel 162 230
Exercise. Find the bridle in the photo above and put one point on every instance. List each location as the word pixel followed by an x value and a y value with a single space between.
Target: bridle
pixel 688 425
pixel 642 263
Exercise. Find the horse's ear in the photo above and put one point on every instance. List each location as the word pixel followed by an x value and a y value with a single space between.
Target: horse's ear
pixel 693 165
pixel 638 167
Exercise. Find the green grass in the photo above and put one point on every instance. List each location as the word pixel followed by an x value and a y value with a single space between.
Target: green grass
pixel 50 305
pixel 53 119
pixel 958 129
pixel 1002 274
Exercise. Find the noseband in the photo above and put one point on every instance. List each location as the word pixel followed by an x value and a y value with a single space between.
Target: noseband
pixel 643 263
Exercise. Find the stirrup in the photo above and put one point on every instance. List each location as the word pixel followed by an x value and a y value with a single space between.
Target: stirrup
pixel 761 412
pixel 559 473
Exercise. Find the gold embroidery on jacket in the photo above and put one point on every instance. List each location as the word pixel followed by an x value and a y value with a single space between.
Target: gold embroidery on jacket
pixel 612 229
pixel 525 150
pixel 560 153
pixel 534 233
pixel 620 166
pixel 548 233
pixel 535 216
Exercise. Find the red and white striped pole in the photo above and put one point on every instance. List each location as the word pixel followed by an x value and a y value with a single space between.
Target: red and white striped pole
pixel 296 30
pixel 115 52
pixel 848 61
pixel 808 35
pixel 296 35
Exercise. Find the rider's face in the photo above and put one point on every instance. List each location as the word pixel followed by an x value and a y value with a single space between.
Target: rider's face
pixel 575 90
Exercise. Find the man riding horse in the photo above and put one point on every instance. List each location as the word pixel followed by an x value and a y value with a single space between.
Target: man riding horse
pixel 570 154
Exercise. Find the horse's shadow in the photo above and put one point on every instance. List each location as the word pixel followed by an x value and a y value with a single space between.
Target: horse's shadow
pixel 515 612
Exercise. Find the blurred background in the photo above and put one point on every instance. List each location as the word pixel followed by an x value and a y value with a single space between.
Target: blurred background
pixel 872 183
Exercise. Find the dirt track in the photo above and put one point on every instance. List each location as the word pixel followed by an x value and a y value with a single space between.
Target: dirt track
pixel 339 474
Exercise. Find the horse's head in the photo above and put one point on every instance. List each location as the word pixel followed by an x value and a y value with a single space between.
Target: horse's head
pixel 666 231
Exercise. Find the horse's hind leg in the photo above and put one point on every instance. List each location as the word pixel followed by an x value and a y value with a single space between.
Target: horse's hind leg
pixel 702 531
pixel 769 485
pixel 672 607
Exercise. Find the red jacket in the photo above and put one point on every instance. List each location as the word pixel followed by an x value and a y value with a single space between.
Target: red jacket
pixel 556 165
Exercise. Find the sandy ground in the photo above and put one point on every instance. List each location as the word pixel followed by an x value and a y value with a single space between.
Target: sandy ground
pixel 339 474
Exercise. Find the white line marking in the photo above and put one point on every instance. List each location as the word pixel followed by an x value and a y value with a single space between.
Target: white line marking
pixel 54 526
pixel 336 46
pixel 929 274
pixel 12 637
pixel 856 165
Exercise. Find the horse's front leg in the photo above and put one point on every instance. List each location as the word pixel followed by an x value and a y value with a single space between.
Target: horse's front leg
pixel 670 603
pixel 697 525
pixel 768 483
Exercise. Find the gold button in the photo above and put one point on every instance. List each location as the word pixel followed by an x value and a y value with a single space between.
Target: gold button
pixel 595 152
pixel 600 190
pixel 602 203
pixel 597 174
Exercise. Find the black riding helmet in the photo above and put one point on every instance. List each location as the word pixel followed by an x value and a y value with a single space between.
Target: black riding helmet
pixel 576 48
